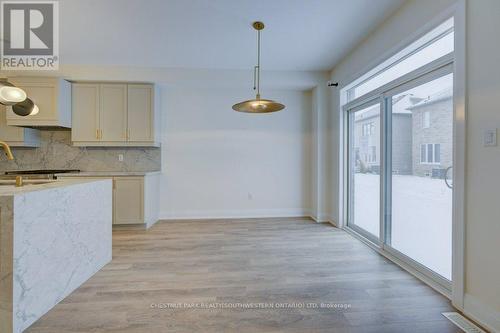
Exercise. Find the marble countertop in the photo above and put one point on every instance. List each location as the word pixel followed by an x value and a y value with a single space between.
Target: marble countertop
pixel 108 174
pixel 55 236
pixel 8 188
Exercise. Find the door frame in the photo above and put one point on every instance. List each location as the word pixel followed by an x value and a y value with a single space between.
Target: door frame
pixel 440 71
pixel 428 73
pixel 348 181
pixel 450 63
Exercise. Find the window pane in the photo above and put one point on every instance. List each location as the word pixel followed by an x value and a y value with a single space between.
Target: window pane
pixel 427 119
pixel 364 170
pixel 437 153
pixel 437 43
pixel 421 202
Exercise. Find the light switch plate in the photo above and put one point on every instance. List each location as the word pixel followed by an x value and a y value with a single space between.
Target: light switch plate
pixel 120 157
pixel 490 137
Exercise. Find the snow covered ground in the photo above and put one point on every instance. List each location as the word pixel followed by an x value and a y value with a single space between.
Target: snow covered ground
pixel 421 217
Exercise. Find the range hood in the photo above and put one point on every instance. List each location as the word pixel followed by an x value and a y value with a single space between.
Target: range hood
pixel 52 95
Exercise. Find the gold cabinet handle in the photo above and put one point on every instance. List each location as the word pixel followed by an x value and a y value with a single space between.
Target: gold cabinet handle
pixel 97 134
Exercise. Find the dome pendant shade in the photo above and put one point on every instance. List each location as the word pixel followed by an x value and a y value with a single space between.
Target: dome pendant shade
pixel 10 94
pixel 25 108
pixel 258 105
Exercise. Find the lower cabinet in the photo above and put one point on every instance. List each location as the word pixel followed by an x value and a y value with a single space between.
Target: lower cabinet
pixel 135 198
pixel 128 200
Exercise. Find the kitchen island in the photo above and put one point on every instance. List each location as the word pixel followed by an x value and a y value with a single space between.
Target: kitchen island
pixel 53 237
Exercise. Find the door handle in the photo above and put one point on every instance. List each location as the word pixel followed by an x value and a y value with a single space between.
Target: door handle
pixel 450 186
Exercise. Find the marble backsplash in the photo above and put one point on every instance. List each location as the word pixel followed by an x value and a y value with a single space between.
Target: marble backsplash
pixel 56 152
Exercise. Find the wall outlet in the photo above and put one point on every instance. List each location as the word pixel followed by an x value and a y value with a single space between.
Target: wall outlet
pixel 120 157
pixel 490 137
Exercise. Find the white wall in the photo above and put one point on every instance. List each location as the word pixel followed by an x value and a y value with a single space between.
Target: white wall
pixel 482 280
pixel 321 177
pixel 219 163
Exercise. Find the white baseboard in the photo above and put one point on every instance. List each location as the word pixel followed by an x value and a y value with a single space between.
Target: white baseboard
pixel 233 214
pixel 332 222
pixel 482 314
pixel 319 218
pixel 323 218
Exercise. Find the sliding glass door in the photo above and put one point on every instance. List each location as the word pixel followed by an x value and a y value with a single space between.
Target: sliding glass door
pixel 399 133
pixel 419 189
pixel 364 169
pixel 399 171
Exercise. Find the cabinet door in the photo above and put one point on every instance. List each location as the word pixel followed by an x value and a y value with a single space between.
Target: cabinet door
pixel 113 112
pixel 128 200
pixel 140 112
pixel 85 105
pixel 43 92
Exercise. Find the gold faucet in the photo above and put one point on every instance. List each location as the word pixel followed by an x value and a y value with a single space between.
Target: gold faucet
pixel 7 150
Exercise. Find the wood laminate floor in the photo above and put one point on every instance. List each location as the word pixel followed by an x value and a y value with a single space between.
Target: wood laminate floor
pixel 294 262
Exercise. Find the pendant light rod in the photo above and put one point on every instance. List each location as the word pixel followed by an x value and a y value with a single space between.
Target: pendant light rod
pixel 256 73
pixel 258 63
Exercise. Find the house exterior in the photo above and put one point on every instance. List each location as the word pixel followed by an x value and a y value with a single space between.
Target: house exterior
pixel 367 140
pixel 432 127
pixel 421 136
pixel 367 137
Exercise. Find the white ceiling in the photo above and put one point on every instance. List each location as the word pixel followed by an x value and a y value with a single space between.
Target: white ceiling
pixel 216 34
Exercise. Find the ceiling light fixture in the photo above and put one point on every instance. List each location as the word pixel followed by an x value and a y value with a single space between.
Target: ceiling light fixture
pixel 258 105
pixel 25 108
pixel 10 94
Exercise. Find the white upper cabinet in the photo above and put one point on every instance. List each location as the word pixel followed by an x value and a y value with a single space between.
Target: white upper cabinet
pixel 85 104
pixel 140 116
pixel 115 114
pixel 17 136
pixel 53 98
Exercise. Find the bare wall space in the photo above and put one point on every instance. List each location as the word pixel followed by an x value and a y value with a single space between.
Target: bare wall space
pixel 220 163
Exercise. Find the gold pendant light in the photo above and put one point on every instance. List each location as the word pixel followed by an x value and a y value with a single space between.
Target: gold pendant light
pixel 258 105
